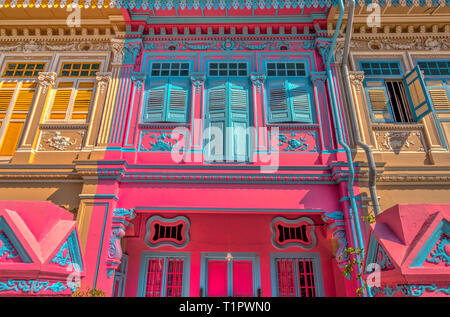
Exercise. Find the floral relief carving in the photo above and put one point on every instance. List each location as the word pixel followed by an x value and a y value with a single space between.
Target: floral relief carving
pixel 396 141
pixel 61 141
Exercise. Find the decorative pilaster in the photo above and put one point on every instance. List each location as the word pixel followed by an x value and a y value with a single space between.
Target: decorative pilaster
pixel 198 83
pixel 261 135
pixel 318 78
pixel 103 79
pixel 118 52
pixel 120 221
pixel 132 51
pixel 323 116
pixel 138 79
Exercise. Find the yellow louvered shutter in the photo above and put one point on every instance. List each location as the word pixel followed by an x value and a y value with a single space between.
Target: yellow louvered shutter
pixel 440 99
pixel 11 138
pixel 5 99
pixel 82 101
pixel 378 100
pixel 61 101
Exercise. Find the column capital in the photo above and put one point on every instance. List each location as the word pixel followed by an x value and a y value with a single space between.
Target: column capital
pixel 117 47
pixel 103 79
pixel 138 79
pixel 356 78
pixel 46 79
pixel 318 78
pixel 197 80
pixel 258 78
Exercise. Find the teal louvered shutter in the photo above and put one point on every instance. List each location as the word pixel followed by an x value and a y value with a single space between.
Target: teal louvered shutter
pixel 177 100
pixel 419 100
pixel 155 109
pixel 378 100
pixel 239 117
pixel 278 101
pixel 217 119
pixel 301 101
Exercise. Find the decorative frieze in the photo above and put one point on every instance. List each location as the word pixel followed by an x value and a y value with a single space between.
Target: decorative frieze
pixel 294 141
pixel 161 141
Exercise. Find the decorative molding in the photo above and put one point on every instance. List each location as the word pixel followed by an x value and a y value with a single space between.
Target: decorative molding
pixel 120 221
pixel 400 141
pixel 306 227
pixel 323 47
pixel 6 248
pixel 294 141
pixel 161 141
pixel 118 52
pixel 57 141
pixel 36 286
pixel 179 242
pixel 441 252
pixel 409 290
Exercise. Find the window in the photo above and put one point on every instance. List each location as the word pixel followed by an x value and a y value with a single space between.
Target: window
pixel 79 69
pixel 14 70
pixel 286 69
pixel 289 96
pixel 296 275
pixel 228 117
pixel 437 78
pixel 393 98
pixel 167 231
pixel 167 97
pixel 16 99
pixel 164 275
pixel 228 69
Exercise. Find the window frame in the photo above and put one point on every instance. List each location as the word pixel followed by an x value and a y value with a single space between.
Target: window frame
pixel 288 80
pixel 147 255
pixel 16 90
pixel 238 256
pixel 445 79
pixel 120 276
pixel 168 79
pixel 318 276
pixel 69 112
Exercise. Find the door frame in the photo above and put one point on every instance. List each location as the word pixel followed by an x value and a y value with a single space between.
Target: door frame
pixel 239 256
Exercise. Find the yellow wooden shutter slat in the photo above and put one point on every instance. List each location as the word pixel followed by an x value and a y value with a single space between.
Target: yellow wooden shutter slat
pixel 378 100
pixel 440 99
pixel 81 104
pixel 60 103
pixel 11 138
pixel 24 100
pixel 5 99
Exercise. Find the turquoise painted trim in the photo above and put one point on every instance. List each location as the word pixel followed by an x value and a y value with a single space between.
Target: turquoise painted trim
pixel 318 278
pixel 239 256
pixel 121 277
pixel 145 256
pixel 100 251
pixel 232 209
pixel 74 257
pixel 442 228
pixel 4 226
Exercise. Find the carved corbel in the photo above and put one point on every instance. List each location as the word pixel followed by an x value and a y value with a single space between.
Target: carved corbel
pixel 138 80
pixel 103 79
pixel 120 221
pixel 318 78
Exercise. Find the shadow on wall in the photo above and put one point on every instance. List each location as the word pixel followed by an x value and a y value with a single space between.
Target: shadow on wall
pixel 65 195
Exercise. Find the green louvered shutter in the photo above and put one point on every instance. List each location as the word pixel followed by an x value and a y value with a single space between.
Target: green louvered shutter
pixel 378 100
pixel 157 96
pixel 217 120
pixel 239 116
pixel 177 101
pixel 301 101
pixel 278 101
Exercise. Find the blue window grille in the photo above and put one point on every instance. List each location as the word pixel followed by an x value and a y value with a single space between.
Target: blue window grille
pixel 435 68
pixel 381 68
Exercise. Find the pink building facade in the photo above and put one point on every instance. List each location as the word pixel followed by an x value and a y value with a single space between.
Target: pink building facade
pixel 224 175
